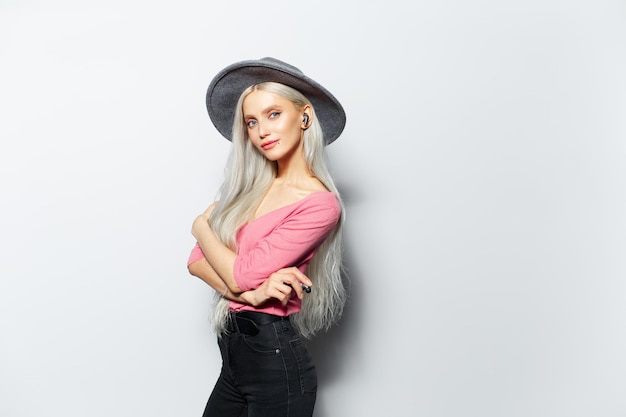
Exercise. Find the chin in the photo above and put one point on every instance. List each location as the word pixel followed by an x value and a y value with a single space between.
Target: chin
pixel 270 157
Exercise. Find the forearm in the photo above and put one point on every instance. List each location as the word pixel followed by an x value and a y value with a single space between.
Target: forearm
pixel 280 285
pixel 220 257
pixel 203 270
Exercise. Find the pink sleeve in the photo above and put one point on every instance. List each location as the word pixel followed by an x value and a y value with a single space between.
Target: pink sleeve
pixel 195 255
pixel 292 243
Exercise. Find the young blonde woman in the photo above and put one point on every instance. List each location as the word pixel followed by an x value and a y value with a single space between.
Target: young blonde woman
pixel 271 246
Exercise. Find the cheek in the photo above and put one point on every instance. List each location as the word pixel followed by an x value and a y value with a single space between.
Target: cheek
pixel 291 127
pixel 251 134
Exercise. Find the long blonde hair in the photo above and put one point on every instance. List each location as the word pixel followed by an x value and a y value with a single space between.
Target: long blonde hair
pixel 248 175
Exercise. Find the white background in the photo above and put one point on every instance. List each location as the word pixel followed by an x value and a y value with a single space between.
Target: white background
pixel 483 167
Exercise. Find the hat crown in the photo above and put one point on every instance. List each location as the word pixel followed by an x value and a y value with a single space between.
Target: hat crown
pixel 280 64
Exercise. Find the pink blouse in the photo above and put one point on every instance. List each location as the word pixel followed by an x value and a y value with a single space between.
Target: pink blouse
pixel 285 237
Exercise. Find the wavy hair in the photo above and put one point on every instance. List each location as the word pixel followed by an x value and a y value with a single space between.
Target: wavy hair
pixel 248 176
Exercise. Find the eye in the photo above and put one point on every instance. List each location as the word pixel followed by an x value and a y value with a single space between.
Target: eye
pixel 251 123
pixel 274 114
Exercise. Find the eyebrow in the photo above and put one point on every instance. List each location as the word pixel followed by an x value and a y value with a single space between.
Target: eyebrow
pixel 266 110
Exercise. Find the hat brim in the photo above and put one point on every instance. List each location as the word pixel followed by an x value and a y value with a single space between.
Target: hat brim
pixel 227 86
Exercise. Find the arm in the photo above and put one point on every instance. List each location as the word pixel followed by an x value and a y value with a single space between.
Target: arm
pixel 291 243
pixel 220 258
pixel 279 285
pixel 203 270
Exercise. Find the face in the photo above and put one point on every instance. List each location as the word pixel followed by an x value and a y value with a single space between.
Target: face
pixel 274 124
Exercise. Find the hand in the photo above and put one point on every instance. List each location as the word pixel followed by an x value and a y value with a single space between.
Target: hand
pixel 280 285
pixel 202 221
pixel 209 210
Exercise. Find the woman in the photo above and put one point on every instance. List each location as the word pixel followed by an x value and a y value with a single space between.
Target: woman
pixel 279 216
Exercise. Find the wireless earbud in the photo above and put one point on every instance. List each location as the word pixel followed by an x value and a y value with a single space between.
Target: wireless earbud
pixel 305 119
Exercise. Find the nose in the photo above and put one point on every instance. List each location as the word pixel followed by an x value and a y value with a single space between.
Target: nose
pixel 263 130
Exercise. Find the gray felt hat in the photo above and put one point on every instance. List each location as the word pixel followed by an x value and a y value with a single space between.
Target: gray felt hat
pixel 228 84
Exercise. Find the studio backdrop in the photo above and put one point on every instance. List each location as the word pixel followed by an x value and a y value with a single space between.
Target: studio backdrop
pixel 483 168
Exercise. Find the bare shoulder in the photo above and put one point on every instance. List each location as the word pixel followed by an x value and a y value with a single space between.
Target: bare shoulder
pixel 298 191
pixel 314 186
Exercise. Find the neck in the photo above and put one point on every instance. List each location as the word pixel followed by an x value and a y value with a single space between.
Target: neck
pixel 292 170
pixel 293 167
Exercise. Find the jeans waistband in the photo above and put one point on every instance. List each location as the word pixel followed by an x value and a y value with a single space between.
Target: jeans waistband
pixel 248 322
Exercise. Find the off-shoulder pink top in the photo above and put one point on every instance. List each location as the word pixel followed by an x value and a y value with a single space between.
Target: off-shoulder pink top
pixel 285 237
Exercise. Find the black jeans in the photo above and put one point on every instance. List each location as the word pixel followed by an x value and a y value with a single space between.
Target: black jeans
pixel 268 374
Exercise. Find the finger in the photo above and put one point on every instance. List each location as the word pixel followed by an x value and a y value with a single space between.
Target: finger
pixel 288 281
pixel 283 294
pixel 297 287
pixel 301 277
pixel 288 278
pixel 281 290
pixel 283 284
pixel 285 300
pixel 295 272
pixel 209 209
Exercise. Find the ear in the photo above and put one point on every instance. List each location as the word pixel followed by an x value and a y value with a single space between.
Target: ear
pixel 307 116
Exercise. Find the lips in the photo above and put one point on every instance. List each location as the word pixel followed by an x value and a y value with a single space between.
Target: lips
pixel 269 144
